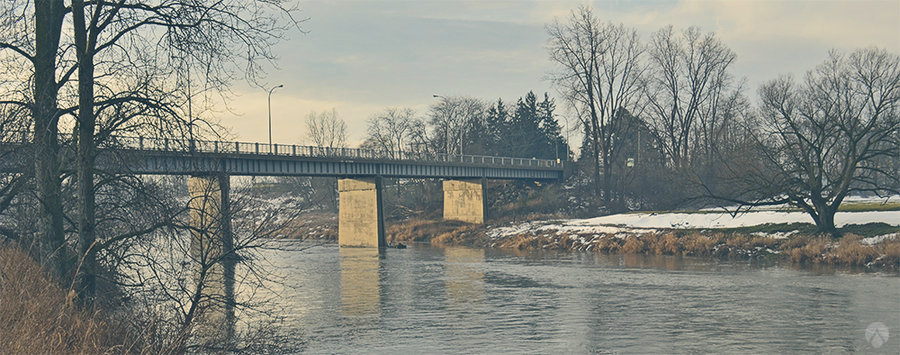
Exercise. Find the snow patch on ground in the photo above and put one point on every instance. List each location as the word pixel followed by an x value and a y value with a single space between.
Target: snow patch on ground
pixel 640 223
pixel 880 238
pixel 724 220
pixel 848 199
pixel 775 235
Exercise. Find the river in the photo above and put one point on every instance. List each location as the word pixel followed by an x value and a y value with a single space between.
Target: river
pixel 429 299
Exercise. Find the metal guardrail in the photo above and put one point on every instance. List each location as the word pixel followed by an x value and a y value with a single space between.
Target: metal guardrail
pixel 254 148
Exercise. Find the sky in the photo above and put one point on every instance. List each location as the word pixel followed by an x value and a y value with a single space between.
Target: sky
pixel 360 57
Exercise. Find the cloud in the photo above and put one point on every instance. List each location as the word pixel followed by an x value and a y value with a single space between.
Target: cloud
pixel 249 116
pixel 363 56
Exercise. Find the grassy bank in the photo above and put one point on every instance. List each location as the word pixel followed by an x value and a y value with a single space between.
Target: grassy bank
pixel 794 243
pixel 39 317
pixel 851 249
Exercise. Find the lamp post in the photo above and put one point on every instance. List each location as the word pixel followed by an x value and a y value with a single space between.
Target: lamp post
pixel 270 114
pixel 447 129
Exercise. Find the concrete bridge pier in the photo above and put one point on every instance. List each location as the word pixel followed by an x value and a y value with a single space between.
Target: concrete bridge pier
pixel 360 215
pixel 464 200
pixel 212 243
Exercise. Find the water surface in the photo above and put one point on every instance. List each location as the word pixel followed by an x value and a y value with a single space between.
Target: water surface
pixel 460 300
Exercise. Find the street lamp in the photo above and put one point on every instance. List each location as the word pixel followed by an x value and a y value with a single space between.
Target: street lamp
pixel 270 114
pixel 447 128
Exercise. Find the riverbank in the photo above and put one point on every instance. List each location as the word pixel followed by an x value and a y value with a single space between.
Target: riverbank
pixel 868 241
pixel 37 316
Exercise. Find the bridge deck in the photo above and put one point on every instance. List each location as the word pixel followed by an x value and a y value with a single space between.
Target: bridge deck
pixel 182 157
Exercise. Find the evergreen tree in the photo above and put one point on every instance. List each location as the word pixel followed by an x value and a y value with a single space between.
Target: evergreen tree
pixel 525 128
pixel 586 157
pixel 551 129
pixel 477 139
pixel 497 125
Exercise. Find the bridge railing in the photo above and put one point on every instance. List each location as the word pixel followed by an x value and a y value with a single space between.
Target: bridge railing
pixel 227 147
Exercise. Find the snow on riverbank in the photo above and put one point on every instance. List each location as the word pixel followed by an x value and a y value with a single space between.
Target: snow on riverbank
pixel 640 223
pixel 652 234
pixel 724 220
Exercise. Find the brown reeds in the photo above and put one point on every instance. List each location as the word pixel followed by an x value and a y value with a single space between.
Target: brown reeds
pixel 850 250
pixel 39 317
pixel 437 232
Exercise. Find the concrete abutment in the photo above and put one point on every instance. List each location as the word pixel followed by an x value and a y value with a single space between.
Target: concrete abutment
pixel 360 213
pixel 464 200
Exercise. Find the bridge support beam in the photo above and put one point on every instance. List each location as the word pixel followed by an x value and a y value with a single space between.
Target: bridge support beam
pixel 212 244
pixel 464 200
pixel 360 217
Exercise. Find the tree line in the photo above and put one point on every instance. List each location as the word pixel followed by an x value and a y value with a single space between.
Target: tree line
pixel 459 125
pixel 666 121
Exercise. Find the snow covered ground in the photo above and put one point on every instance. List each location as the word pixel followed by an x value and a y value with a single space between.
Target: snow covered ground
pixel 725 220
pixel 649 222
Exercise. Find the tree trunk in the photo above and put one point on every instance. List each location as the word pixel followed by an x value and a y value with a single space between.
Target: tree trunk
pixel 607 179
pixel 825 221
pixel 48 16
pixel 85 166
pixel 823 215
pixel 596 156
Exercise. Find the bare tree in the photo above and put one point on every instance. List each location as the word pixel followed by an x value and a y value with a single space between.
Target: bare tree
pixel 600 76
pixel 30 39
pixel 831 135
pixel 108 33
pixel 13 130
pixel 687 84
pixel 326 129
pixel 450 117
pixel 192 285
pixel 393 132
pixel 323 130
pixel 128 57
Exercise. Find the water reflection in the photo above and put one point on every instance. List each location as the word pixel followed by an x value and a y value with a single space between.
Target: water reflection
pixel 661 262
pixel 360 282
pixel 464 278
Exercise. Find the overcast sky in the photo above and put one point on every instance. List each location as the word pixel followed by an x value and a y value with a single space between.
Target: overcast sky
pixel 360 57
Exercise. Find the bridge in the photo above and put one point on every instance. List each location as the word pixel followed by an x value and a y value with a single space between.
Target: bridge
pixel 210 164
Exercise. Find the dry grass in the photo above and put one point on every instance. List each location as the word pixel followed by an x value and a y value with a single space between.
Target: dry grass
pixel 39 317
pixel 436 232
pixel 799 248
pixel 849 250
pixel 526 242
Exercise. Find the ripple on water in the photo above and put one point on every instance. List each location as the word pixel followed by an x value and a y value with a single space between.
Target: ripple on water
pixel 459 300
